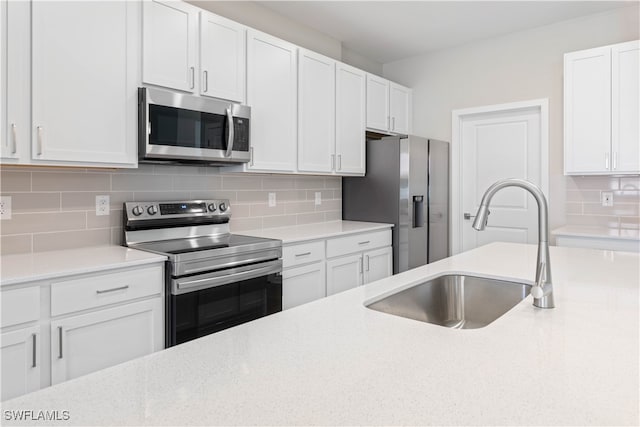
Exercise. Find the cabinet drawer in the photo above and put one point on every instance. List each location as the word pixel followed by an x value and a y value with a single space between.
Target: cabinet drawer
pixel 302 253
pixel 359 242
pixel 20 306
pixel 94 291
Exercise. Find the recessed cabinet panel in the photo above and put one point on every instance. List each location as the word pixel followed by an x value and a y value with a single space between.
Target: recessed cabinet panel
pixel 377 103
pixel 400 109
pixel 169 44
pixel 378 264
pixel 625 107
pixel 316 113
pixel 20 360
pixel 301 285
pixel 344 273
pixel 350 120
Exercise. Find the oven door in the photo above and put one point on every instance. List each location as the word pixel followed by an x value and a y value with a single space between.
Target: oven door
pixel 203 304
pixel 178 127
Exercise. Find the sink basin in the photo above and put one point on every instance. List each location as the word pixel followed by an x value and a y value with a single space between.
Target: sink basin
pixel 455 301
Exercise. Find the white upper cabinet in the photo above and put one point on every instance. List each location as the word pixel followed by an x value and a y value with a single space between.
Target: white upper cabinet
pixel 316 112
pixel 399 109
pixel 625 107
pixel 84 79
pixel 169 50
pixel 601 110
pixel 272 94
pixel 377 103
pixel 222 57
pixel 388 106
pixel 350 120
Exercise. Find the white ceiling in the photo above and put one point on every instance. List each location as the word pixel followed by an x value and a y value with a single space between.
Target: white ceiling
pixel 386 31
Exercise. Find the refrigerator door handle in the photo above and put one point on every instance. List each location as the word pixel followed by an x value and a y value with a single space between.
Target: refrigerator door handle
pixel 418 211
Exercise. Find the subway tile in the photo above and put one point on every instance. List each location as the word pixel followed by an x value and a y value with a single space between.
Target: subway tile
pixel 632 223
pixel 213 194
pixel 626 196
pixel 324 194
pixel 278 182
pixel 71 181
pixel 263 209
pixel 143 168
pixel 337 194
pixel 310 218
pixel 615 210
pixel 243 224
pixel 299 207
pixel 34 202
pixel 574 208
pixel 593 220
pixel 278 221
pixel 309 182
pixel 126 182
pixel 241 182
pixel 592 183
pixel 15 181
pixel 114 219
pixel 153 196
pixel 86 201
pixel 202 182
pixel 291 195
pixel 44 222
pixel 117 236
pixel 630 183
pixel 333 216
pixel 592 196
pixel 16 244
pixel 329 205
pixel 71 239
pixel 333 182
pixel 253 196
pixel 180 170
pixel 240 211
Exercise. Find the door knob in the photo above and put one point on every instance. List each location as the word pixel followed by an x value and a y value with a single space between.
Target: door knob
pixel 468 216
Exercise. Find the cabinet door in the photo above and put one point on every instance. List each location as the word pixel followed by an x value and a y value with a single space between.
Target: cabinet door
pixel 344 273
pixel 625 110
pixel 15 122
pixel 84 84
pixel 20 362
pixel 169 44
pixel 400 108
pixel 222 57
pixel 350 120
pixel 316 112
pixel 587 111
pixel 272 95
pixel 301 285
pixel 378 264
pixel 90 342
pixel 377 103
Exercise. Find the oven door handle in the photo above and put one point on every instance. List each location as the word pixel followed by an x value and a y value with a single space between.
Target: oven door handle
pixel 233 275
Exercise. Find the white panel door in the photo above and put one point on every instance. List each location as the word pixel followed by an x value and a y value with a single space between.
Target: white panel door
pixel 400 108
pixel 378 264
pixel 222 57
pixel 350 120
pixel 20 357
pixel 304 284
pixel 90 342
pixel 316 112
pixel 272 95
pixel 84 84
pixel 587 111
pixel 169 44
pixel 377 103
pixel 498 145
pixel 625 107
pixel 344 273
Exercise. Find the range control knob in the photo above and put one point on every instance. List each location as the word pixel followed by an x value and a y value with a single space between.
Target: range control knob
pixel 222 207
pixel 152 210
pixel 212 207
pixel 137 210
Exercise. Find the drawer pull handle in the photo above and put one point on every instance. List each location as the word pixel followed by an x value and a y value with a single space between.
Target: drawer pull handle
pixel 304 254
pixel 121 288
pixel 366 242
pixel 33 349
pixel 60 342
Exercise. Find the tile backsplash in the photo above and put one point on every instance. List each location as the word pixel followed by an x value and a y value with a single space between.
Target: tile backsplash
pixel 54 208
pixel 584 206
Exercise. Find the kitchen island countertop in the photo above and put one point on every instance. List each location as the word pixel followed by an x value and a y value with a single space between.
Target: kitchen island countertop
pixel 335 362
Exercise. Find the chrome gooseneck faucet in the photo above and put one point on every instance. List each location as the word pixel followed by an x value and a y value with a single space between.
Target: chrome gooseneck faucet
pixel 542 291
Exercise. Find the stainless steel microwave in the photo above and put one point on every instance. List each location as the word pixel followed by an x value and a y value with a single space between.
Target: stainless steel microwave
pixel 180 128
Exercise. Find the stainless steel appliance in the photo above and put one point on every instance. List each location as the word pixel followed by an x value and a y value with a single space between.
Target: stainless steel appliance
pixel 214 279
pixel 407 184
pixel 179 128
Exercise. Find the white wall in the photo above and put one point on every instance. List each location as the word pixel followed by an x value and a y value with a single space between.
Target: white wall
pixel 520 66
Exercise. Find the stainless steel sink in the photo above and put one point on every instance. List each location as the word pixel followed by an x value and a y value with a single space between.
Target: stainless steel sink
pixel 455 301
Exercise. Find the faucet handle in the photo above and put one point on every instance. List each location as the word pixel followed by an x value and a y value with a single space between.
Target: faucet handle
pixel 537 291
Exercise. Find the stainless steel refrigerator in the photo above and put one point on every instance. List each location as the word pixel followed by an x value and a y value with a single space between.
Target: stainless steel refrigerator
pixel 407 185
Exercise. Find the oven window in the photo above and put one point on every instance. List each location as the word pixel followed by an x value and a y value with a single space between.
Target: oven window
pixel 203 312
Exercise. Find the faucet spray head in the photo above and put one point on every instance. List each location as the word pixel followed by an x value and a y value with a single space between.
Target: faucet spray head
pixel 482 216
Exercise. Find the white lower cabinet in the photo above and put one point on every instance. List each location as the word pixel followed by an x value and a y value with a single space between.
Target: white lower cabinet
pixel 19 352
pixel 90 342
pixel 301 285
pixel 378 264
pixel 344 273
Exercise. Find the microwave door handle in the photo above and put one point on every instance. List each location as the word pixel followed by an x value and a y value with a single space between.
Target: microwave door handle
pixel 230 136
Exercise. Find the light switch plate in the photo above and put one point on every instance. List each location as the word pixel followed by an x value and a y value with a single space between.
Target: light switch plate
pixel 5 207
pixel 318 198
pixel 272 200
pixel 607 198
pixel 102 205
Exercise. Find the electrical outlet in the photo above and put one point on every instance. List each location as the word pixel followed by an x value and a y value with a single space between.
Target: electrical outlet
pixel 102 205
pixel 607 198
pixel 5 207
pixel 318 198
pixel 272 200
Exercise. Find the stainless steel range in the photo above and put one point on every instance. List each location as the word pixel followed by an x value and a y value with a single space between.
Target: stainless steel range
pixel 214 279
